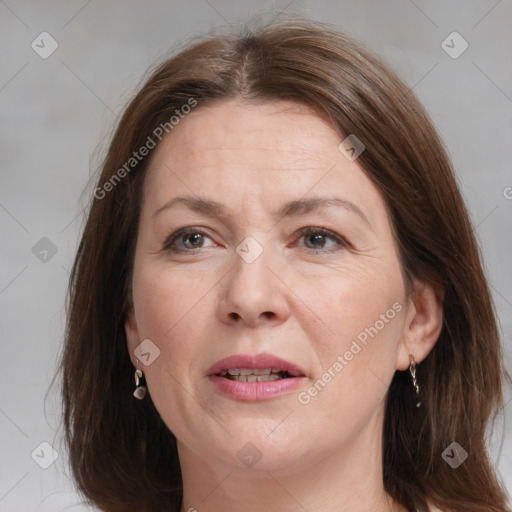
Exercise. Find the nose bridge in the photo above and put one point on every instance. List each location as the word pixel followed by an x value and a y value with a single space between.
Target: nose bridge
pixel 252 291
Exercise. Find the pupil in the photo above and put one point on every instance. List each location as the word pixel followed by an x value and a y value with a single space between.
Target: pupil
pixel 196 236
pixel 318 238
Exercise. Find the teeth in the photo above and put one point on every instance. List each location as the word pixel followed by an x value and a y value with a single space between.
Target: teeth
pixel 255 378
pixel 248 371
pixel 266 371
pixel 257 374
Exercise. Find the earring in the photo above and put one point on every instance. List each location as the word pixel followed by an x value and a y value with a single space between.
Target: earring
pixel 141 389
pixel 412 369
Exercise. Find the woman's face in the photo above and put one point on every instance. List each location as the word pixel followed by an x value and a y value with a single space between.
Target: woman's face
pixel 288 266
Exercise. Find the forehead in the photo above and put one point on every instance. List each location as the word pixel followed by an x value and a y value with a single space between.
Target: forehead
pixel 284 131
pixel 269 152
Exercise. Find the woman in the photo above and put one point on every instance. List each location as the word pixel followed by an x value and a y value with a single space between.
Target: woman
pixel 277 252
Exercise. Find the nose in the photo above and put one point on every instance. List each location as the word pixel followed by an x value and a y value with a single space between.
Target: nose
pixel 253 294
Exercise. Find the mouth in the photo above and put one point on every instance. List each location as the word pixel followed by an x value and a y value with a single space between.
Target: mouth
pixel 255 368
pixel 255 377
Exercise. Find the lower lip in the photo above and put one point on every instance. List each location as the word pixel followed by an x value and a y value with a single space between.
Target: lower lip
pixel 256 391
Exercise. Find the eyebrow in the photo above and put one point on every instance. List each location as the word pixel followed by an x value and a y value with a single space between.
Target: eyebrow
pixel 294 208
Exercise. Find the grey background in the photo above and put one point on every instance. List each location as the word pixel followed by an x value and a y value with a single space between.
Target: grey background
pixel 57 114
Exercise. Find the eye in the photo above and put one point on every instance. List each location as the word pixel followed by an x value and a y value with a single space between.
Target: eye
pixel 185 240
pixel 191 239
pixel 316 238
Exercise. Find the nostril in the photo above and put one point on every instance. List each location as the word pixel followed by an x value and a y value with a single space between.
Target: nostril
pixel 267 314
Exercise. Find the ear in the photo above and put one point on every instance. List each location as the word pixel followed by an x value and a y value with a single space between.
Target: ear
pixel 423 324
pixel 132 333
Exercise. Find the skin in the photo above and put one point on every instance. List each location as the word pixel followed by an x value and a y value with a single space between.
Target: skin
pixel 304 299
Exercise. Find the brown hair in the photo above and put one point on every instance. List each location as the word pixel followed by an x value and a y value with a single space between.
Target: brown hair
pixel 122 455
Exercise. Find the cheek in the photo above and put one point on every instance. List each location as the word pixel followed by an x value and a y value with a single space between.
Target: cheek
pixel 166 300
pixel 364 310
pixel 171 311
pixel 348 300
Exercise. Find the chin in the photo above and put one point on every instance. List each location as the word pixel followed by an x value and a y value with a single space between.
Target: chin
pixel 257 445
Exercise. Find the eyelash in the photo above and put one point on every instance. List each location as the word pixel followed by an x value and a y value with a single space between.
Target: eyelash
pixel 167 246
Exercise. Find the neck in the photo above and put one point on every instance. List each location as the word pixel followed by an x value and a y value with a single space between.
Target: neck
pixel 344 478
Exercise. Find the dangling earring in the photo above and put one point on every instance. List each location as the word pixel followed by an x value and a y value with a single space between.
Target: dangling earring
pixel 412 369
pixel 140 390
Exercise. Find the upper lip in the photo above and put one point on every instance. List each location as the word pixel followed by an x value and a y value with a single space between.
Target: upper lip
pixel 257 362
